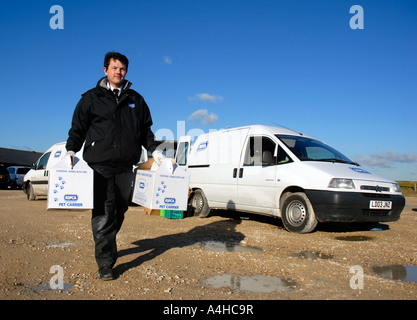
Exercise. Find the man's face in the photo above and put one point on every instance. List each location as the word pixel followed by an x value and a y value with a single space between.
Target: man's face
pixel 115 73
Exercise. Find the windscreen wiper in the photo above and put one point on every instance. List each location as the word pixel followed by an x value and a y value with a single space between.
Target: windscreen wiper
pixel 334 160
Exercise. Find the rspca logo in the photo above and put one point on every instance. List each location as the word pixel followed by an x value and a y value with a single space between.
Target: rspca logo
pixel 70 197
pixel 142 186
pixel 169 200
pixel 202 146
pixel 359 170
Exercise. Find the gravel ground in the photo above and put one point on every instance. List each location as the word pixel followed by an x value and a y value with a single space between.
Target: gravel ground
pixel 225 256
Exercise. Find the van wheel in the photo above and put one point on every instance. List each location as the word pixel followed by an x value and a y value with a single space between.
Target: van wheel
pixel 199 204
pixel 298 214
pixel 29 192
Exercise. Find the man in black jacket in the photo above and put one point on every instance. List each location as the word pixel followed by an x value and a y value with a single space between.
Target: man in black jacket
pixel 114 121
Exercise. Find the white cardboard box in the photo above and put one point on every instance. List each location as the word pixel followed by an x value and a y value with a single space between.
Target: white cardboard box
pixel 164 187
pixel 70 188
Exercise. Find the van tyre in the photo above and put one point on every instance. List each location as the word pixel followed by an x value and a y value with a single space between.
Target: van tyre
pixel 199 204
pixel 298 214
pixel 30 193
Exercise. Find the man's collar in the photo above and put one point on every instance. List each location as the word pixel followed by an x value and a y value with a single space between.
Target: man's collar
pixel 109 86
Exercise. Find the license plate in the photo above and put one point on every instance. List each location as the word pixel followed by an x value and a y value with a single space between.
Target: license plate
pixel 383 205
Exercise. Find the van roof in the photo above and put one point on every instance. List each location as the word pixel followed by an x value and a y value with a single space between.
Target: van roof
pixel 272 129
pixel 59 144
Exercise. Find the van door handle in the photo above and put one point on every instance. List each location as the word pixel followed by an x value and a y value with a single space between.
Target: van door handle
pixel 240 172
pixel 234 172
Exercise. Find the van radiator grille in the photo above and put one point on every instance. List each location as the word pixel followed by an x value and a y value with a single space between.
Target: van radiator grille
pixel 375 188
pixel 376 195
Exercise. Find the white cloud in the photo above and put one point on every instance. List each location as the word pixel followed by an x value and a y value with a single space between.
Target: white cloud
pixel 167 60
pixel 386 158
pixel 206 98
pixel 203 116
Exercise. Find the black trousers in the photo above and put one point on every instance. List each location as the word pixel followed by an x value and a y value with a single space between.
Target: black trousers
pixel 112 188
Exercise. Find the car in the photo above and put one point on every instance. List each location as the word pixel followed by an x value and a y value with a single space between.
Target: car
pixel 4 177
pixel 16 175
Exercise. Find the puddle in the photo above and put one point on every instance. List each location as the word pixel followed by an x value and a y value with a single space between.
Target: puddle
pixel 380 228
pixel 354 238
pixel 43 287
pixel 397 272
pixel 225 246
pixel 311 255
pixel 256 284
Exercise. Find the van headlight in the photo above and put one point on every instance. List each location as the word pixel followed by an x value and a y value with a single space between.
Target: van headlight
pixel 396 187
pixel 341 183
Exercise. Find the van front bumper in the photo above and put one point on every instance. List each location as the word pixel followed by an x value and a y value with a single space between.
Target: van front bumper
pixel 333 206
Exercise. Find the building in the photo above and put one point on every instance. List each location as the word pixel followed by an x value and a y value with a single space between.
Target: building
pixel 13 157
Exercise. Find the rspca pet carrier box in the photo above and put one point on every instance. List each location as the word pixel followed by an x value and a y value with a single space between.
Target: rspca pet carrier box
pixel 70 188
pixel 162 188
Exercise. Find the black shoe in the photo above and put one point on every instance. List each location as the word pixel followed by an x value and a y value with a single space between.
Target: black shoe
pixel 106 273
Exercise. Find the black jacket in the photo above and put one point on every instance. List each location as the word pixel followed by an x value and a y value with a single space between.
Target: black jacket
pixel 113 129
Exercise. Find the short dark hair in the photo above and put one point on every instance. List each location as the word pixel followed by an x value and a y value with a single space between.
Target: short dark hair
pixel 116 56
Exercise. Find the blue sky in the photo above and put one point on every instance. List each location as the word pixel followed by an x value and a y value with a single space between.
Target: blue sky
pixel 214 64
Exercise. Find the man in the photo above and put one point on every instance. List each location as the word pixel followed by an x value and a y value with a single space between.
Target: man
pixel 114 121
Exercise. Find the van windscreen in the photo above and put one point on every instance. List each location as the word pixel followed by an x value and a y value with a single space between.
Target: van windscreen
pixel 307 149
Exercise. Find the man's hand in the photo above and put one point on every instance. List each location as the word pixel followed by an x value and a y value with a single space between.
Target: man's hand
pixel 69 158
pixel 158 157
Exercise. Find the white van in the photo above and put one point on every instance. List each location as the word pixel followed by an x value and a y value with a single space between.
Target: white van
pixel 279 172
pixel 35 182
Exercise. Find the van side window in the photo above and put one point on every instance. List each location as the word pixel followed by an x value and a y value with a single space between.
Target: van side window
pixel 283 156
pixel 43 161
pixel 182 153
pixel 260 152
